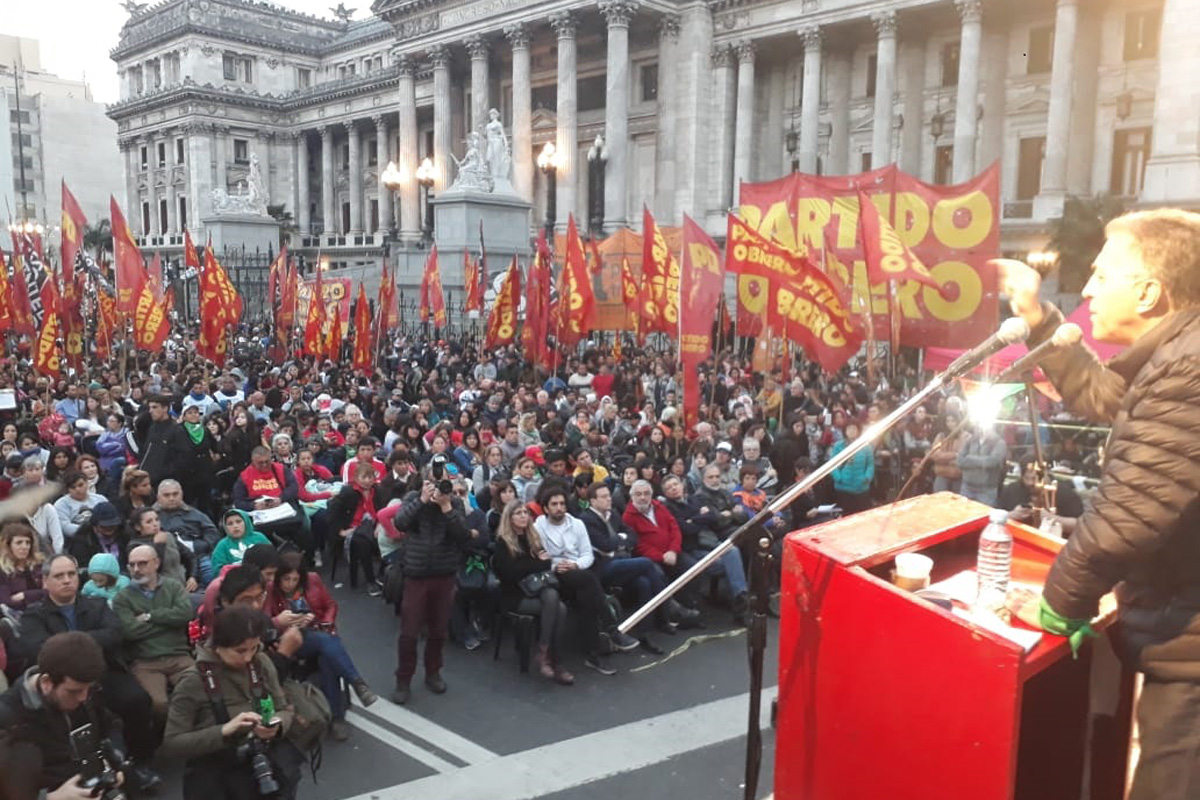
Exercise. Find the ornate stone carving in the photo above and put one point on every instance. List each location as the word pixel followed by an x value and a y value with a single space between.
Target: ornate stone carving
pixel 885 24
pixel 473 174
pixel 416 26
pixel 272 63
pixel 406 65
pixel 668 27
pixel 518 36
pixel 811 37
pixel 380 122
pixel 745 51
pixel 618 12
pixel 721 56
pixel 478 47
pixel 564 24
pixel 250 197
pixel 207 49
pixel 970 10
pixel 439 56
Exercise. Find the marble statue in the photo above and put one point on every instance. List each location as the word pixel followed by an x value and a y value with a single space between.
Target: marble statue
pixel 250 198
pixel 473 173
pixel 499 159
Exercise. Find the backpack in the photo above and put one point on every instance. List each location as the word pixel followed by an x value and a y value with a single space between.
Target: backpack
pixel 312 718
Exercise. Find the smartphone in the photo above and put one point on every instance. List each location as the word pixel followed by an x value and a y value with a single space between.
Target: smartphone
pixel 85 748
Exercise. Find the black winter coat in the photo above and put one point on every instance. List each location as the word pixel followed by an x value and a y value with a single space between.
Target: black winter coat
pixel 433 541
pixel 512 567
pixel 1141 532
pixel 92 616
pixel 165 451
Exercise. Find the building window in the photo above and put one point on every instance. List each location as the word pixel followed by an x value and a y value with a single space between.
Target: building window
pixel 649 83
pixel 374 216
pixel 246 69
pixel 23 186
pixel 345 155
pixel 1141 34
pixel 162 154
pixel 145 154
pixel 22 140
pixel 155 68
pixel 183 220
pixel 1029 167
pixel 179 151
pixel 591 92
pixel 138 84
pixel 146 230
pixel 378 62
pixel 21 117
pixel 303 78
pixel 950 58
pixel 367 65
pixel 229 66
pixel 350 71
pixel 943 164
pixel 864 162
pixel 163 222
pixel 1040 57
pixel 373 153
pixel 1131 151
pixel 345 217
pixel 27 161
pixel 545 97
pixel 872 68
pixel 241 151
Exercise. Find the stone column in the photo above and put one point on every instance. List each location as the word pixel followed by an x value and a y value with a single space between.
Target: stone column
pixel 810 99
pixel 406 157
pixel 151 184
pixel 172 220
pixel 724 89
pixel 266 140
pixel 1058 123
pixel 567 138
pixel 885 88
pixel 479 50
pixel 443 144
pixel 522 112
pixel 966 119
pixel 386 215
pixel 221 159
pixel 303 208
pixel 328 219
pixel 354 140
pixel 743 145
pixel 617 14
pixel 1173 171
pixel 839 115
pixel 692 81
pixel 664 148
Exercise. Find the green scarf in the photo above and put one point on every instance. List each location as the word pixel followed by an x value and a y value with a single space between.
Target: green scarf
pixel 194 430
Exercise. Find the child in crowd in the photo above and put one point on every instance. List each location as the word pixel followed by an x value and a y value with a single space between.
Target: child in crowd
pixel 104 578
pixel 240 536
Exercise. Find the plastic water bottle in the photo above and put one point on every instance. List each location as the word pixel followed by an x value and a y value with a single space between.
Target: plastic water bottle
pixel 994 567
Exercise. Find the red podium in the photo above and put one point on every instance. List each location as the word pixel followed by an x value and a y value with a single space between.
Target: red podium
pixel 883 694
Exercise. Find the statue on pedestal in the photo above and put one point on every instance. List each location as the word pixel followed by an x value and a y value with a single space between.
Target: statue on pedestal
pixel 250 198
pixel 473 174
pixel 498 157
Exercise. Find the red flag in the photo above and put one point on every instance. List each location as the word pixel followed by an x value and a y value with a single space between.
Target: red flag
pixel 22 309
pixel 46 359
pixel 537 306
pixel 481 273
pixel 314 325
pixel 286 319
pixel 702 283
pixel 799 298
pixel 502 322
pixel 474 300
pixel 631 292
pixel 578 300
pixel 433 301
pixel 6 298
pixel 333 338
pixel 362 332
pixel 191 259
pixel 887 257
pixel 131 270
pixel 106 323
pixel 660 280
pixel 73 225
pixel 219 306
pixel 151 324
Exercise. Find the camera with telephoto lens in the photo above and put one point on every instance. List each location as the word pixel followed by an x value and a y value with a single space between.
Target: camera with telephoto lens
pixel 254 751
pixel 437 468
pixel 98 763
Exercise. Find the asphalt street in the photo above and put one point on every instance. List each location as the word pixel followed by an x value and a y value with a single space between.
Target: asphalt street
pixel 675 728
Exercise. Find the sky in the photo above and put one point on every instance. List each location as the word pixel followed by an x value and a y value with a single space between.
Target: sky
pixel 76 35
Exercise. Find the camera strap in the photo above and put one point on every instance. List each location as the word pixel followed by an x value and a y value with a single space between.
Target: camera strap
pixel 212 688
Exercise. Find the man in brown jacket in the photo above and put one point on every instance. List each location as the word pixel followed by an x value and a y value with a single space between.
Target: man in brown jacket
pixel 1141 534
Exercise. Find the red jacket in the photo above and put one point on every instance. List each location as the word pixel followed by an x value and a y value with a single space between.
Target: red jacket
pixel 654 539
pixel 323 606
pixel 321 474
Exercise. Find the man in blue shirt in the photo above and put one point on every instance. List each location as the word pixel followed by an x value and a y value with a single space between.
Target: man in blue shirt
pixel 73 406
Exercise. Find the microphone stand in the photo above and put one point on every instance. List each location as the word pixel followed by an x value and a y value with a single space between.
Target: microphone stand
pixel 757 586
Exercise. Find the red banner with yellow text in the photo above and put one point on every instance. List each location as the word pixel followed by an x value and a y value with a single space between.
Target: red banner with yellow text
pixel 702 284
pixel 953 230
pixel 502 322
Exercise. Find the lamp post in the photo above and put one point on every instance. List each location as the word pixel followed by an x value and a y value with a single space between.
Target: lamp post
pixel 425 179
pixel 791 141
pixel 547 162
pixel 392 179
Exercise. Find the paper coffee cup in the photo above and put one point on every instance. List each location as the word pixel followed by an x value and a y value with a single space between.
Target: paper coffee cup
pixel 912 571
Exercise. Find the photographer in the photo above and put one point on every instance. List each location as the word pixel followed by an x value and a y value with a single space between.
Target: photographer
pixel 229 716
pixel 435 534
pixel 38 714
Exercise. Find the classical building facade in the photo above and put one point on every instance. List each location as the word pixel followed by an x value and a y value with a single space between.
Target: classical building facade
pixel 1070 96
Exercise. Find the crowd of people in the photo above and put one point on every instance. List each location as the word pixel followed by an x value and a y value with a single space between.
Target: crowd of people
pixel 177 560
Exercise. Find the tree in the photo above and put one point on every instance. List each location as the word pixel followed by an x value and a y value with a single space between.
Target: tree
pixel 1078 235
pixel 98 238
pixel 287 222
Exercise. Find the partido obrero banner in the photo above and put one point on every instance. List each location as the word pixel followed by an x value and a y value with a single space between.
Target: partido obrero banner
pixel 954 230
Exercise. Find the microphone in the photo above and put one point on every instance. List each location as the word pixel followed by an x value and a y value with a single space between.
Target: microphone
pixel 1012 330
pixel 1065 335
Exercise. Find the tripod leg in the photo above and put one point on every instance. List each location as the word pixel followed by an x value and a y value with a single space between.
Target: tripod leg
pixel 757 645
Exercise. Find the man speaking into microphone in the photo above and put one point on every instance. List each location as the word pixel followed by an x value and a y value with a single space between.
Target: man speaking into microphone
pixel 1142 531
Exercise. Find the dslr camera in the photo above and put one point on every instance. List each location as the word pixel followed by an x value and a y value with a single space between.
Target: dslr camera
pixel 254 751
pixel 98 763
pixel 437 468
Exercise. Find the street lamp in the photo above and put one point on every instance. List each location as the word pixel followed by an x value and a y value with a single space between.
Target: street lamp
pixel 392 179
pixel 425 178
pixel 547 162
pixel 1042 260
pixel 791 141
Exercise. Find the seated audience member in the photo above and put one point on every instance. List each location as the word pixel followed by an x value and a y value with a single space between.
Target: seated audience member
pixel 104 578
pixel 75 507
pixel 177 562
pixel 519 553
pixel 154 611
pixel 190 526
pixel 103 533
pixel 661 540
pixel 233 657
pixel 266 485
pixel 751 499
pixel 566 541
pixel 302 592
pixel 20 567
pixel 1021 497
pixel 364 453
pixel 239 537
pixel 65 610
